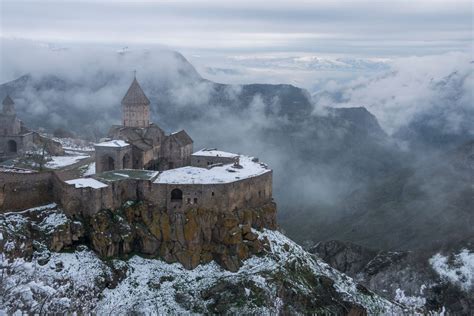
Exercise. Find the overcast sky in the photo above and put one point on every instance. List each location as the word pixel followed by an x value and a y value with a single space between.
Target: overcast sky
pixel 357 27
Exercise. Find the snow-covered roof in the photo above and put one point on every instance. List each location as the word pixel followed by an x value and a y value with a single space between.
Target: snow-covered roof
pixel 87 183
pixel 113 143
pixel 219 174
pixel 214 153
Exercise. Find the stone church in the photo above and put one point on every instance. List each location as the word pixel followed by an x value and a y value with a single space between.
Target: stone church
pixel 16 139
pixel 140 144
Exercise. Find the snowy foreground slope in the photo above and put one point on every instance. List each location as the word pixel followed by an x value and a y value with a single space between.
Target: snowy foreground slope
pixel 285 279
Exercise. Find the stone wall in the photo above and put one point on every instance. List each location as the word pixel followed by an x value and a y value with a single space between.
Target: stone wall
pixel 173 155
pixel 249 192
pixel 206 161
pixel 25 190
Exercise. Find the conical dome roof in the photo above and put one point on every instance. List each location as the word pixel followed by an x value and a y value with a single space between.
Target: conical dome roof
pixel 135 95
pixel 8 101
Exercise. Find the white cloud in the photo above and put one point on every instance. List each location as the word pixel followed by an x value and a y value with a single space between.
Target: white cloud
pixel 388 27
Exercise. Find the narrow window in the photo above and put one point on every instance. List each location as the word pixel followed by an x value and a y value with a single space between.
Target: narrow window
pixel 189 200
pixel 212 193
pixel 195 200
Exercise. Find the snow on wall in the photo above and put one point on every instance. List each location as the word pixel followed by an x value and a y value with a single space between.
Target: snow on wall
pixel 87 183
pixel 214 153
pixel 218 174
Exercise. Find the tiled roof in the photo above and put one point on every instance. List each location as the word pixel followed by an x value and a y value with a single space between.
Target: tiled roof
pixel 182 137
pixel 8 101
pixel 135 95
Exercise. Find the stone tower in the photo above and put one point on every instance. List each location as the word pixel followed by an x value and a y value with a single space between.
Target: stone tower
pixel 8 106
pixel 135 107
pixel 9 123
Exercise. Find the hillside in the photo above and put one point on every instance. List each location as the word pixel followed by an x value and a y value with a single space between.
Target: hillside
pixel 73 279
pixel 429 279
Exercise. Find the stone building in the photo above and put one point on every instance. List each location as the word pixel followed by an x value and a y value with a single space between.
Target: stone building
pixel 145 145
pixel 16 139
pixel 135 107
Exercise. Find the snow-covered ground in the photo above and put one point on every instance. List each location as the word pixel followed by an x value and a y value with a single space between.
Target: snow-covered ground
pixel 79 282
pixel 458 271
pixel 74 144
pixel 58 162
pixel 219 174
pixel 90 170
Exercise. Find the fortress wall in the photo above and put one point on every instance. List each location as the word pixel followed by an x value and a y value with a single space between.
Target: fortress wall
pixel 20 191
pixel 25 190
pixel 84 201
pixel 251 192
pixel 65 175
pixel 88 201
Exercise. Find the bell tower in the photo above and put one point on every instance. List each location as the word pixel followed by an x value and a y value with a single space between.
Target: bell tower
pixel 135 107
pixel 8 106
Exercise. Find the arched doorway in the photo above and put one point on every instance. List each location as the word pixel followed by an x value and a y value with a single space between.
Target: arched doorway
pixel 126 162
pixel 12 147
pixel 176 195
pixel 108 163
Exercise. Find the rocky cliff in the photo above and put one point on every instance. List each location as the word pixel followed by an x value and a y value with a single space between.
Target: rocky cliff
pixel 430 280
pixel 191 237
pixel 48 266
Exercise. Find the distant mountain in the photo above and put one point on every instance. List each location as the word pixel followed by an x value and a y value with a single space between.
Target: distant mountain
pixel 337 174
pixel 450 121
pixel 428 108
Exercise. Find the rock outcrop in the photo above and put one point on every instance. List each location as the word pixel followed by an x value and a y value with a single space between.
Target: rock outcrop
pixel 190 237
pixel 407 277
pixel 40 229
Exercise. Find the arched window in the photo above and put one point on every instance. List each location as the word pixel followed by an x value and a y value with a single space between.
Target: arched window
pixel 12 147
pixel 176 195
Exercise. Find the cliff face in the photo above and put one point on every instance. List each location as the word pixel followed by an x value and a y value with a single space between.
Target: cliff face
pixel 434 280
pixel 191 237
pixel 47 266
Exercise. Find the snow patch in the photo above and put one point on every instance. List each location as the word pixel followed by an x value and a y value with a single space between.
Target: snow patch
pixel 90 170
pixel 53 220
pixel 412 301
pixel 113 143
pixel 218 174
pixel 214 153
pixel 459 271
pixel 58 162
pixel 87 183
